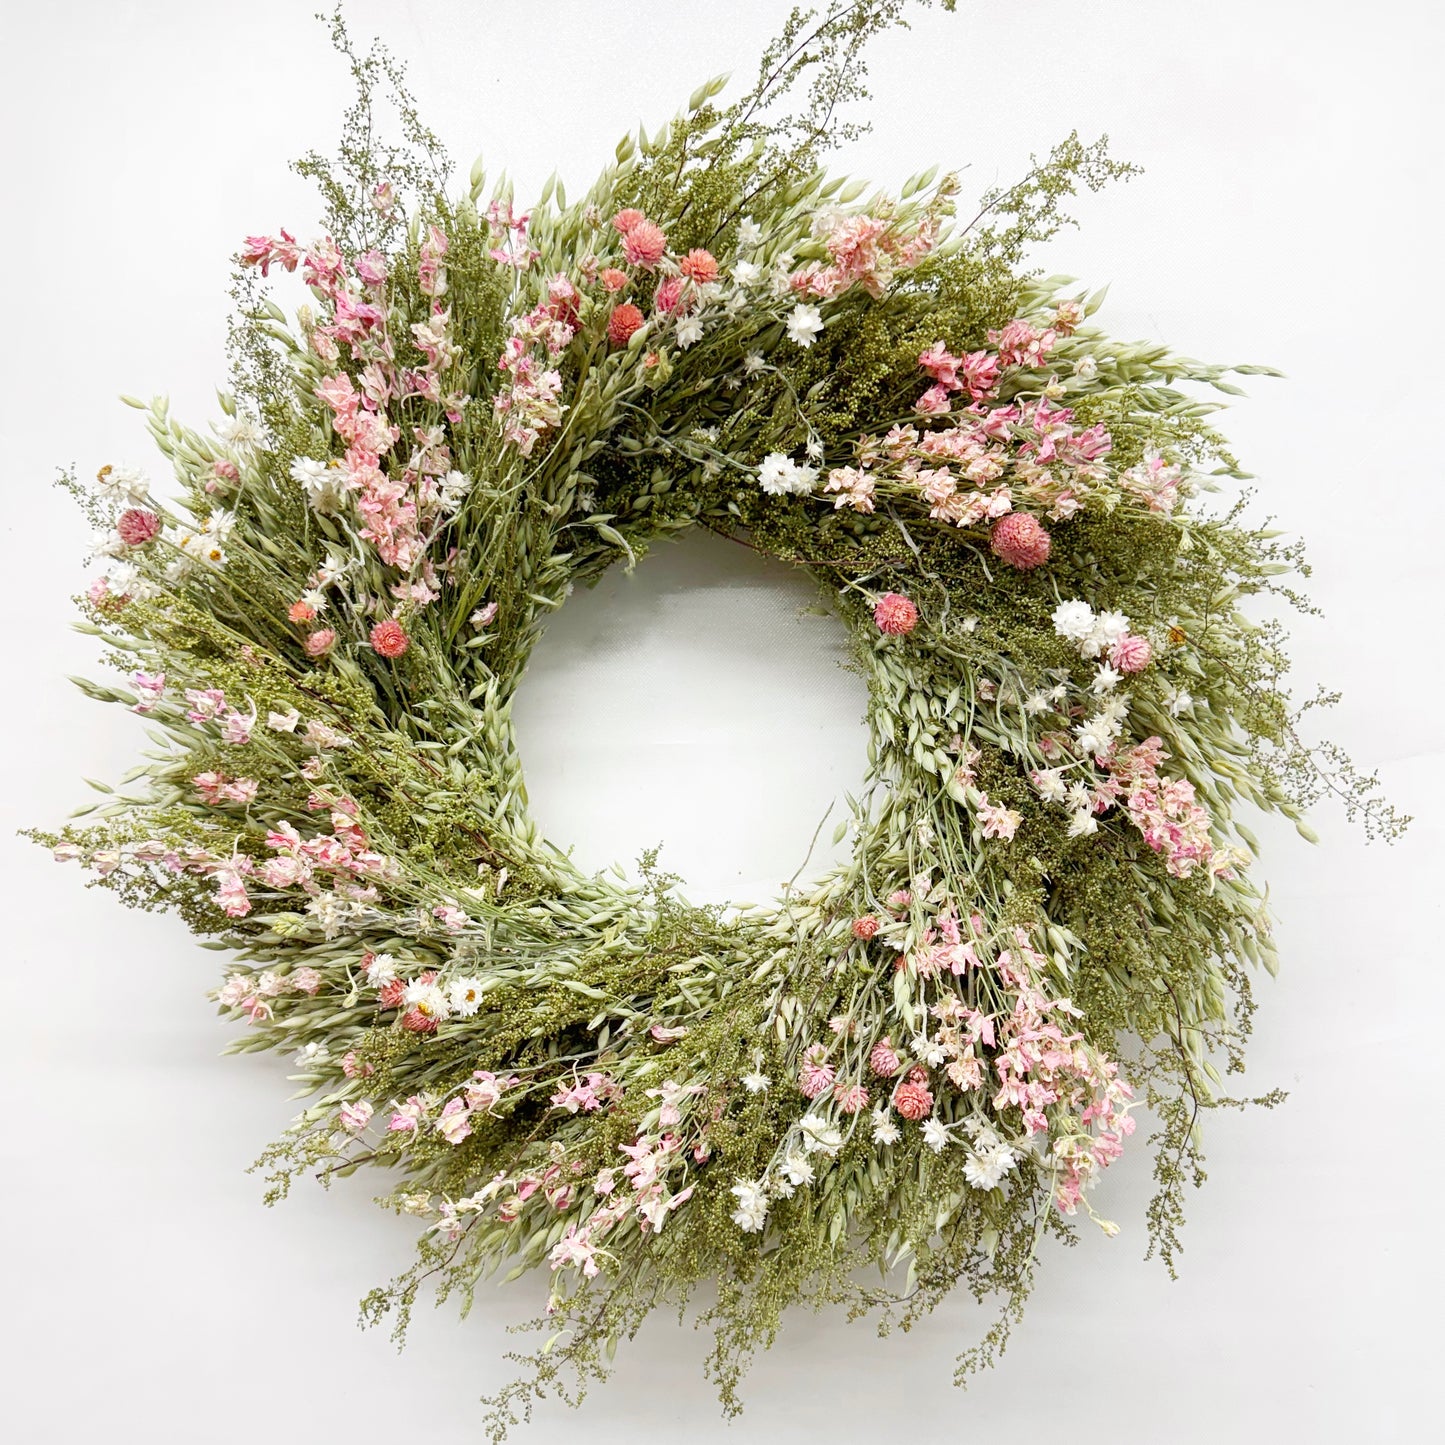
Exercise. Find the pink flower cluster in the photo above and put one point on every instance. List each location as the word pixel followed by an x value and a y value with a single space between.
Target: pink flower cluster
pixel 252 992
pixel 587 1094
pixel 1164 810
pixel 862 251
pixel 530 401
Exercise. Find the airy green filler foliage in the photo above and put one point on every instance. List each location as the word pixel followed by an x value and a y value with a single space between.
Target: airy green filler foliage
pixel 919 1062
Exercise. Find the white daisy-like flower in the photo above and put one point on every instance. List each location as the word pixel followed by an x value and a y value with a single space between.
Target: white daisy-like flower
pixel 1086 368
pixel 746 273
pixel 123 484
pixel 427 997
pixel 820 1136
pixel 464 996
pixel 805 324
pixel 1036 703
pixel 1049 784
pixel 689 332
pixel 380 970
pixel 239 431
pixel 454 489
pixel 756 1082
pixel 1083 824
pixel 797 1169
pixel 885 1129
pixel 1074 620
pixel 935 1135
pixel 749 232
pixel 1106 679
pixel 751 1215
pixel 754 362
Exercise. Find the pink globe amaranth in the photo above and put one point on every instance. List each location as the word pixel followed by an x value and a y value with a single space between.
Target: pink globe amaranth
pixel 388 639
pixel 644 243
pixel 699 265
pixel 625 220
pixel 390 995
pixel 895 614
pixel 625 319
pixel 137 526
pixel 668 295
pixel 865 927
pixel 913 1101
pixel 320 642
pixel 1130 653
pixel 1020 541
pixel 883 1060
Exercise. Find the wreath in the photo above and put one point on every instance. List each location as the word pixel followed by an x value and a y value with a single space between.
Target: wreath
pixel 921 1061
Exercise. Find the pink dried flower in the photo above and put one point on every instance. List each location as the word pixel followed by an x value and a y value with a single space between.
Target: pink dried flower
pixel 700 266
pixel 895 614
pixel 913 1101
pixel 883 1060
pixel 388 639
pixel 353 1067
pixel 418 1021
pixel 865 927
pixel 613 279
pixel 301 612
pixel 137 526
pixel 1020 541
pixel 1130 653
pixel 643 244
pixel 816 1075
pixel 625 220
pixel 320 642
pixel 625 319
pixel 355 1117
pixel 306 980
pixel 852 1098
pixel 668 296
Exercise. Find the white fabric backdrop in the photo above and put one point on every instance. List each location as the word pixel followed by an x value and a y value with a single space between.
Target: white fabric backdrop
pixel 1290 214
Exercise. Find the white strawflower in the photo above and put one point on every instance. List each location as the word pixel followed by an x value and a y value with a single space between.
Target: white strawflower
pixel 935 1135
pixel 752 1212
pixel 775 473
pixel 1074 620
pixel 754 362
pixel 689 332
pixel 464 996
pixel 1083 824
pixel 1049 784
pixel 885 1130
pixel 746 273
pixel 820 1136
pixel 381 970
pixel 1086 368
pixel 805 323
pixel 1106 679
pixel 749 232
pixel 756 1082
pixel 797 1169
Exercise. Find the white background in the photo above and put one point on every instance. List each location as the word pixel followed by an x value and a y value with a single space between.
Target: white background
pixel 1290 214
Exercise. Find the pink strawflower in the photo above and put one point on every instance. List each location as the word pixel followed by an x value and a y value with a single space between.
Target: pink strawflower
pixel 1020 541
pixel 913 1101
pixel 306 980
pixel 700 266
pixel 388 639
pixel 320 642
pixel 418 1021
pixel 624 221
pixel 1130 653
pixel 865 927
pixel 137 526
pixel 625 319
pixel 390 995
pixel 883 1060
pixel 895 614
pixel 643 244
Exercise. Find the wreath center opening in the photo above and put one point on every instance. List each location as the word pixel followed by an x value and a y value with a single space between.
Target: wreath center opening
pixel 704 703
